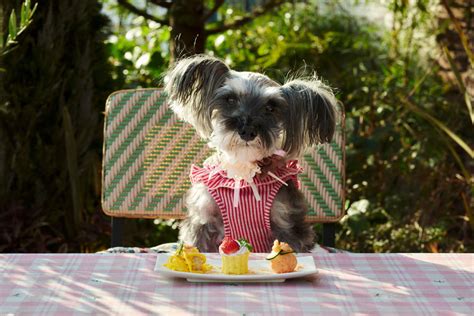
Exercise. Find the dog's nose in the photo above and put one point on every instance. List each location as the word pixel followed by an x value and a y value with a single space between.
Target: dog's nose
pixel 247 133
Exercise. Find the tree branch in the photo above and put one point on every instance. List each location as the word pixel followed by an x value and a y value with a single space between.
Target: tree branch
pixel 143 13
pixel 244 20
pixel 162 3
pixel 217 5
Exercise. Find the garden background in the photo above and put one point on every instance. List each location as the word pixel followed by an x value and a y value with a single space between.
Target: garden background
pixel 402 68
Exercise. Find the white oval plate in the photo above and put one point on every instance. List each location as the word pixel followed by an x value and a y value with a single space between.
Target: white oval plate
pixel 259 270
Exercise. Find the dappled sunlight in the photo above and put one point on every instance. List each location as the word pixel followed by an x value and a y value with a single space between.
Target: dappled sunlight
pixel 128 284
pixel 362 286
pixel 451 264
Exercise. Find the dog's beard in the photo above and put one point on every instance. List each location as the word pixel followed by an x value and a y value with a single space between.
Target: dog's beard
pixel 235 149
pixel 235 155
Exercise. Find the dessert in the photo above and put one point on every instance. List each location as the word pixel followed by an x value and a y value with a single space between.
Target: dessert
pixel 282 258
pixel 235 255
pixel 188 259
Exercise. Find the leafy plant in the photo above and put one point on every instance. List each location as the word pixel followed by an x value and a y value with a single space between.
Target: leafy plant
pixel 15 28
pixel 139 53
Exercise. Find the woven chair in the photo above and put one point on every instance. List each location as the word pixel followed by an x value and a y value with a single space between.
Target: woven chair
pixel 148 153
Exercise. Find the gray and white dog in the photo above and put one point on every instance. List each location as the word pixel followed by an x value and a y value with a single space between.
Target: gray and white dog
pixel 247 116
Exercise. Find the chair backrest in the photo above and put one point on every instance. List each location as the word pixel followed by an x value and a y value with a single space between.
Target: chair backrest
pixel 148 153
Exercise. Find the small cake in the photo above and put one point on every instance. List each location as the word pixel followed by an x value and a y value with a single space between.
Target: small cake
pixel 282 258
pixel 188 259
pixel 235 255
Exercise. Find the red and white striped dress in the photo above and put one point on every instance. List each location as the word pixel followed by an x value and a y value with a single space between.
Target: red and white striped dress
pixel 250 217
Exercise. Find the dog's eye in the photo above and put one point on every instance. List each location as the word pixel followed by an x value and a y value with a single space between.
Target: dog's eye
pixel 270 106
pixel 231 100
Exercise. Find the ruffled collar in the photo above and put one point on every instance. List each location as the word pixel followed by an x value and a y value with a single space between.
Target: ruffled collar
pixel 269 170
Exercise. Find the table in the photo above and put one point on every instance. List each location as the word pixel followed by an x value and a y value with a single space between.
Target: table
pixel 425 284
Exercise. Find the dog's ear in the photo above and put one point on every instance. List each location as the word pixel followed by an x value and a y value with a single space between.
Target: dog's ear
pixel 310 117
pixel 191 85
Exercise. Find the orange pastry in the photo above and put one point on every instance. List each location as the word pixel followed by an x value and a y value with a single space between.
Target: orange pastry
pixel 282 258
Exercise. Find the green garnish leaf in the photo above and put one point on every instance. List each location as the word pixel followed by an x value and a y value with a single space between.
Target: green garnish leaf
pixel 244 243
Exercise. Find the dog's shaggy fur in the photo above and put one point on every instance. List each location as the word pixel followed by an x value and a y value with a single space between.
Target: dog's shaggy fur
pixel 247 117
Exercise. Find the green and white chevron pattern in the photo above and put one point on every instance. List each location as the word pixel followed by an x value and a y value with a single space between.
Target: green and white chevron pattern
pixel 148 153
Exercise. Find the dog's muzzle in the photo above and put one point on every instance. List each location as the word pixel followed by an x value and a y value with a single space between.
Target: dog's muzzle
pixel 247 133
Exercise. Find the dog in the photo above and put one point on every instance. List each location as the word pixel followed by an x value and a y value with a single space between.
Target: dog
pixel 258 127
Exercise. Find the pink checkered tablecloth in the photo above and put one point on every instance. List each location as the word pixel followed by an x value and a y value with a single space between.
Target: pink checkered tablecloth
pixel 406 284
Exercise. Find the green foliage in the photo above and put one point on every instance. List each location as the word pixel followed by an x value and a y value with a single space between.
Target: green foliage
pixel 139 53
pixel 138 49
pixel 15 28
pixel 51 98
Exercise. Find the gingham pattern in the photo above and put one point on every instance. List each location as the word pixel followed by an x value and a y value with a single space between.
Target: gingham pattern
pixel 148 153
pixel 125 284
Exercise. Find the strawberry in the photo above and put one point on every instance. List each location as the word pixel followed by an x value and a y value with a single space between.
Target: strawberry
pixel 229 246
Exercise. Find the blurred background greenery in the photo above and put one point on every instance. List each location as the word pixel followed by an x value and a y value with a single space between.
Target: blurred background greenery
pixel 403 70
